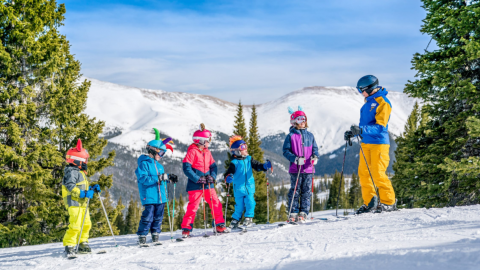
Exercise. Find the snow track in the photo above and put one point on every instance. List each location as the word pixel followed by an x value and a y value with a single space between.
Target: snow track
pixel 447 238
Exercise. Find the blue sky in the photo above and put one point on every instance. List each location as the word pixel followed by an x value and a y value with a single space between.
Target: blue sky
pixel 250 50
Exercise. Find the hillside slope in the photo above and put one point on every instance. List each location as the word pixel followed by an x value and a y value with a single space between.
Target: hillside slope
pixel 435 239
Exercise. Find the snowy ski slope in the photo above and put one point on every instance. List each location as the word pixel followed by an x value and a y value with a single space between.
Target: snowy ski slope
pixel 436 239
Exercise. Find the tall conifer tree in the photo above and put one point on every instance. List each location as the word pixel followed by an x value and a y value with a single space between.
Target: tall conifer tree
pixel 444 156
pixel 256 153
pixel 42 101
pixel 239 128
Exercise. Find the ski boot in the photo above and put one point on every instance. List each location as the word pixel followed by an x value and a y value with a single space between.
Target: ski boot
pixel 233 224
pixel 293 218
pixel 84 248
pixel 386 207
pixel 302 217
pixel 186 234
pixel 142 240
pixel 247 222
pixel 155 237
pixel 221 228
pixel 372 205
pixel 69 251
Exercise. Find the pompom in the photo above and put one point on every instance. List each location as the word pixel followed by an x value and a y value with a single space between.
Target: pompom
pixel 235 138
pixel 300 108
pixel 202 127
pixel 290 110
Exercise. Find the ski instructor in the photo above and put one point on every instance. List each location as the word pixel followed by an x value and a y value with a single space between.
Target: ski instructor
pixel 374 117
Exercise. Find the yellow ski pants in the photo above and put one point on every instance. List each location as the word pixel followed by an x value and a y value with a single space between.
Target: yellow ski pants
pixel 76 218
pixel 377 159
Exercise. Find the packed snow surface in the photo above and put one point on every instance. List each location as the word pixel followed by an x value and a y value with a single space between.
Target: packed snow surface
pixel 330 111
pixel 447 238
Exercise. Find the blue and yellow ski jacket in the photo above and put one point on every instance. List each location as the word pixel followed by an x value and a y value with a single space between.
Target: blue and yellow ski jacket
pixel 374 117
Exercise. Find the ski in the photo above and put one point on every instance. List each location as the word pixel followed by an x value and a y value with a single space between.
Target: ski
pixel 74 256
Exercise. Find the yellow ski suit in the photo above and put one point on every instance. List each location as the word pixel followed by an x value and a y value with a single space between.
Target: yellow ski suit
pixel 374 118
pixel 75 180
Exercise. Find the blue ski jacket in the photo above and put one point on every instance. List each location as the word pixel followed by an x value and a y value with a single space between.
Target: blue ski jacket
pixel 243 181
pixel 374 118
pixel 147 173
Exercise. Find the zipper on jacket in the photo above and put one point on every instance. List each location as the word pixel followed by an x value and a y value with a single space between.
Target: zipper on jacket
pixel 245 172
pixel 303 151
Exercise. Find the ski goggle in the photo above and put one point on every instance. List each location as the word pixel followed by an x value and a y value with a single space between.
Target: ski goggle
pixel 243 147
pixel 203 141
pixel 359 90
pixel 300 119
pixel 159 152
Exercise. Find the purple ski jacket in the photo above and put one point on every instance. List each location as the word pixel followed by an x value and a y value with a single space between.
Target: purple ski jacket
pixel 292 148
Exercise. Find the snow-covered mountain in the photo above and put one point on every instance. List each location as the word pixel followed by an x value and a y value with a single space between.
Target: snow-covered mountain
pixel 134 112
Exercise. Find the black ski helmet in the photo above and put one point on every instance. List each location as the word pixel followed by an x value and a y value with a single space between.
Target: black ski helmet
pixel 367 84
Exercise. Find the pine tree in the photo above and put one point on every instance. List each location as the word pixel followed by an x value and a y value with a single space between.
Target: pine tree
pixel 404 178
pixel 179 212
pixel 102 228
pixel 131 223
pixel 120 220
pixel 282 213
pixel 444 156
pixel 355 193
pixel 42 101
pixel 239 128
pixel 333 192
pixel 256 153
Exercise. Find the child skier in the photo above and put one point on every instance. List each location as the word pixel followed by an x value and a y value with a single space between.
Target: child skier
pixel 301 150
pixel 240 174
pixel 75 192
pixel 201 170
pixel 152 187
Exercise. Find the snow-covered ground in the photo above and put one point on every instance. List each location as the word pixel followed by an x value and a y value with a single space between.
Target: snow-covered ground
pixel 447 238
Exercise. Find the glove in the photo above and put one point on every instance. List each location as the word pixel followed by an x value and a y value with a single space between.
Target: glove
pixel 229 179
pixel 162 177
pixel 348 135
pixel 267 165
pixel 314 160
pixel 202 180
pixel 356 130
pixel 300 161
pixel 86 194
pixel 210 179
pixel 95 188
pixel 173 178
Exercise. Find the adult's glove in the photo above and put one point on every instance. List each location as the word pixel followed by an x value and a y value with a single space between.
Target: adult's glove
pixel 348 135
pixel 300 161
pixel 173 178
pixel 86 194
pixel 314 160
pixel 202 180
pixel 267 165
pixel 95 188
pixel 210 179
pixel 356 130
pixel 229 179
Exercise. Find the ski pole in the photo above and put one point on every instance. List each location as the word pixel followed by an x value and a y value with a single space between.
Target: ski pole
pixel 83 222
pixel 268 200
pixel 213 211
pixel 204 216
pixel 313 190
pixel 226 204
pixel 341 176
pixel 294 191
pixel 108 221
pixel 168 211
pixel 368 168
pixel 173 209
